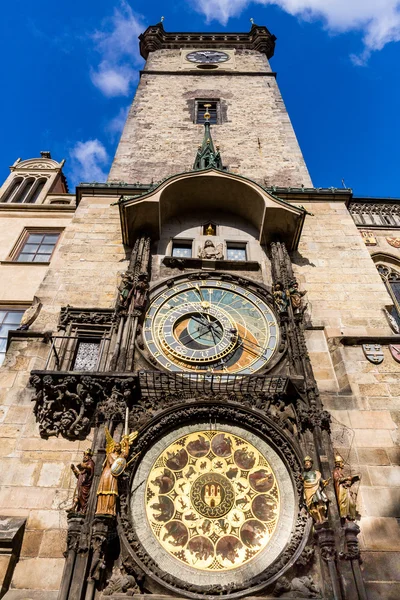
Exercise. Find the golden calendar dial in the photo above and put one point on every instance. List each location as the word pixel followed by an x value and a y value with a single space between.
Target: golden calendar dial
pixel 212 500
pixel 210 327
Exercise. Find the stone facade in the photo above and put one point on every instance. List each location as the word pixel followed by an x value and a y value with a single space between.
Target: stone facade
pixel 346 297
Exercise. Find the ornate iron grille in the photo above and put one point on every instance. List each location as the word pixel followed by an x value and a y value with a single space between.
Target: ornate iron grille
pixel 87 356
pixel 153 384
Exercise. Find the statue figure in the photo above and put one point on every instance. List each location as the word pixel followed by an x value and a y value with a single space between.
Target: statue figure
pixel 122 583
pixel 313 491
pixel 210 251
pixel 210 229
pixel 84 472
pixel 140 293
pixel 113 466
pixel 280 297
pixel 30 315
pixel 125 290
pixel 299 587
pixel 345 496
pixel 295 297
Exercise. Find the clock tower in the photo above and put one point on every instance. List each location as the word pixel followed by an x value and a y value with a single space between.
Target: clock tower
pixel 204 309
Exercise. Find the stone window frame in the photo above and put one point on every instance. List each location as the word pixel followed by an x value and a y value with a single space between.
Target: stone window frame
pixel 23 238
pixel 24 189
pixel 216 101
pixel 234 244
pixel 390 276
pixel 375 214
pixel 9 308
pixel 188 241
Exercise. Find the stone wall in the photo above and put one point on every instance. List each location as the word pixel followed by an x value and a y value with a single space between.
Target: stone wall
pixel 256 140
pixel 36 481
pixel 346 296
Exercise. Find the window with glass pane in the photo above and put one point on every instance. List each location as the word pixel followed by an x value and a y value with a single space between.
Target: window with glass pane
pixel 9 320
pixel 235 251
pixel 87 356
pixel 38 247
pixel 212 108
pixel 182 249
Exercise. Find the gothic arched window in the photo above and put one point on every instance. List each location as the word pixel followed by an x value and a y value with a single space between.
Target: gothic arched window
pixel 391 278
pixel 12 190
pixel 40 183
pixel 24 190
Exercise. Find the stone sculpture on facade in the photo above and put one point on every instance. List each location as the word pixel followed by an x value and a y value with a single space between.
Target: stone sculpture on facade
pixel 280 297
pixel 113 466
pixel 346 497
pixel 299 587
pixel 140 293
pixel 314 496
pixel 211 251
pixel 121 582
pixel 84 472
pixel 296 297
pixel 125 290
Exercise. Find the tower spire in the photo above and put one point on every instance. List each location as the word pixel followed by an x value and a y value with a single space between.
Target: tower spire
pixel 207 155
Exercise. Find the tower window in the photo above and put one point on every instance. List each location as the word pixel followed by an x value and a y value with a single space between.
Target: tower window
pixel 236 251
pixel 213 109
pixel 37 246
pixel 182 248
pixel 9 320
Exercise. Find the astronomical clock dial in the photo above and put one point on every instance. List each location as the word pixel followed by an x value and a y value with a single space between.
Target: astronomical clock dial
pixel 207 56
pixel 210 327
pixel 212 500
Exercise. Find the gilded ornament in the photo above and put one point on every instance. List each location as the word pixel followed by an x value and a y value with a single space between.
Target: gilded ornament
pixel 346 496
pixel 314 496
pixel 113 466
pixel 369 238
pixel 212 500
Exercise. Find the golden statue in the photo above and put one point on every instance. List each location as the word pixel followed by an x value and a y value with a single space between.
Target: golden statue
pixel 210 229
pixel 345 496
pixel 114 465
pixel 315 498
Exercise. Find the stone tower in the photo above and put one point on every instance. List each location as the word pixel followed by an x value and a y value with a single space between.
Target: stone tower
pixel 202 400
pixel 253 129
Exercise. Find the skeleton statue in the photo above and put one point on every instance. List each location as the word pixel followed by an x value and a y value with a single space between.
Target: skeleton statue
pixel 211 251
pixel 140 292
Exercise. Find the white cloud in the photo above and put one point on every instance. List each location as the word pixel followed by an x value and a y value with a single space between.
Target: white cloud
pixel 117 45
pixel 88 161
pixel 379 20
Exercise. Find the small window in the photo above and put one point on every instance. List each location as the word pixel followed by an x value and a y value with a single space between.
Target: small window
pixel 87 355
pixel 9 320
pixel 236 251
pixel 212 108
pixel 182 248
pixel 38 246
pixel 209 229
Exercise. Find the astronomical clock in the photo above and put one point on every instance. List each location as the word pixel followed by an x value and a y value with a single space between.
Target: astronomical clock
pixel 211 326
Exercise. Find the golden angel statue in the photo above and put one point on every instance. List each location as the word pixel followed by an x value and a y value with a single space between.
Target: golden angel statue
pixel 114 465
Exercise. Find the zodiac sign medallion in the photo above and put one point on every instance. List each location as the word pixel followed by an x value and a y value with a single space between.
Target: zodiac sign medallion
pixel 212 500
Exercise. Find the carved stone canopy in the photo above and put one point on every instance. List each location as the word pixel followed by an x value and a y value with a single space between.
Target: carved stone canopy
pixel 183 194
pixel 156 38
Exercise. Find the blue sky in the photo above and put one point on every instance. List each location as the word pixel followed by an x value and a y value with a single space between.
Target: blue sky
pixel 69 71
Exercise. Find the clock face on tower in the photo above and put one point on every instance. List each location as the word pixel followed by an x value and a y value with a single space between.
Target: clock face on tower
pixel 207 56
pixel 210 326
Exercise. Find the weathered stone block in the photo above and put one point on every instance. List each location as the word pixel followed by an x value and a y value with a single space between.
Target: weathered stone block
pixel 38 574
pixel 380 533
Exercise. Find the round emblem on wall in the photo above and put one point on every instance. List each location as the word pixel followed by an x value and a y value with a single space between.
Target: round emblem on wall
pixel 212 499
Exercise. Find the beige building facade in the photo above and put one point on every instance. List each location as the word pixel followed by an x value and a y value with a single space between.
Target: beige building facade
pixel 233 319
